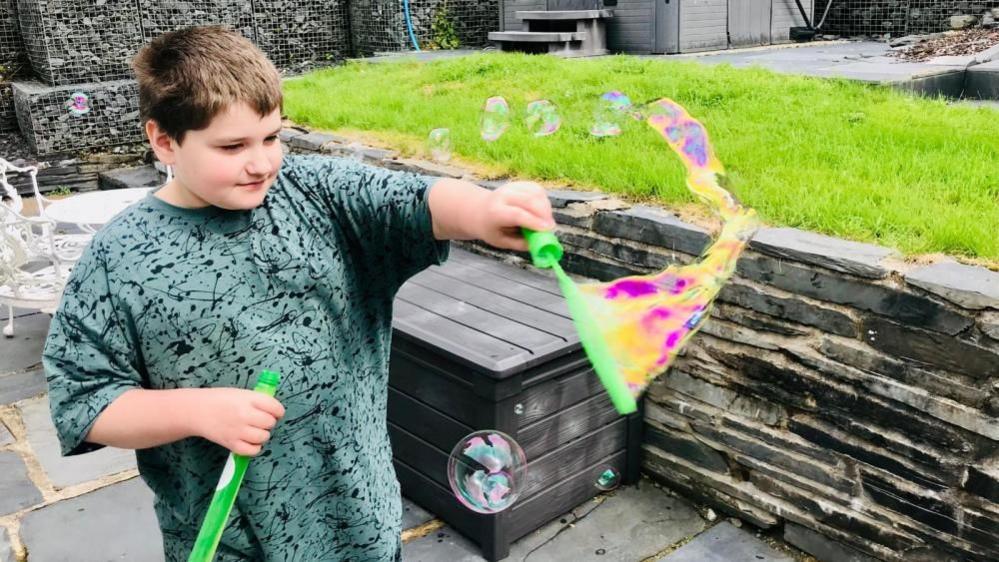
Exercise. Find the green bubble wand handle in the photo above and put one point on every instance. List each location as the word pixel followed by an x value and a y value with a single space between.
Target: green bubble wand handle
pixel 228 486
pixel 546 251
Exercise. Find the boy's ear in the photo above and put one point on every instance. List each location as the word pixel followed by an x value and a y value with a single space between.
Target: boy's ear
pixel 163 146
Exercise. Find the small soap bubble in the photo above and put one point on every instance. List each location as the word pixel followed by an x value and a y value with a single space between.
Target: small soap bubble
pixel 542 118
pixel 495 118
pixel 439 144
pixel 608 479
pixel 609 114
pixel 486 470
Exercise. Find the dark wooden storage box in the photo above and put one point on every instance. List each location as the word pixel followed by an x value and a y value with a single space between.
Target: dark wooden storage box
pixel 479 344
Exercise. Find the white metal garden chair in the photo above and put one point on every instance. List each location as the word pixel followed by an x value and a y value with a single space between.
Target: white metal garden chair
pixel 65 248
pixel 34 260
pixel 30 276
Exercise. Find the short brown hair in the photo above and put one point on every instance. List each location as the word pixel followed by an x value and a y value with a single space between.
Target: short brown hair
pixel 189 76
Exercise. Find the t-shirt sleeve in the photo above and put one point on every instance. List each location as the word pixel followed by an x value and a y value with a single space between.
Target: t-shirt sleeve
pixel 89 354
pixel 386 215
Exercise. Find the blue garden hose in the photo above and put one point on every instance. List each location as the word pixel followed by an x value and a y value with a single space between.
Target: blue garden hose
pixel 409 24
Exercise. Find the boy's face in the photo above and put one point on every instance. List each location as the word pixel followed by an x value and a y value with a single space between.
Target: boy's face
pixel 230 164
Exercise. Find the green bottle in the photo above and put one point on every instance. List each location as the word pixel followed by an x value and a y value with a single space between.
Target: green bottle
pixel 228 487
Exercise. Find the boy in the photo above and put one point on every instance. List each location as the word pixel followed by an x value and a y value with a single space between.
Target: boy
pixel 241 263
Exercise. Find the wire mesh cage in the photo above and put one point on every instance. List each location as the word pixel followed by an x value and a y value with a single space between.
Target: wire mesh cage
pixel 13 61
pixel 893 17
pixel 380 25
pixel 70 42
pixel 55 119
pixel 162 16
pixel 298 35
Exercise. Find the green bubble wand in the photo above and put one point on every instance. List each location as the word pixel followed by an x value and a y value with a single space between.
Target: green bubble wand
pixel 546 251
pixel 228 486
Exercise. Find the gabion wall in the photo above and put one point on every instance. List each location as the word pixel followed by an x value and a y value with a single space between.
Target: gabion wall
pixel 51 124
pixel 87 47
pixel 13 61
pixel 301 34
pixel 379 25
pixel 161 16
pixel 894 17
pixel 71 42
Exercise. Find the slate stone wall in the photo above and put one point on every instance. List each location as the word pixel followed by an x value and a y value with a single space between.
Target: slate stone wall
pixel 836 390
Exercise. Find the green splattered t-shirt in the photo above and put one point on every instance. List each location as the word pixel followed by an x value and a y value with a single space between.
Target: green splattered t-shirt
pixel 167 297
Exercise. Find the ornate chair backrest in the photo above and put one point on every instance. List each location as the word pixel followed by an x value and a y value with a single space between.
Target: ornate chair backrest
pixel 14 248
pixel 11 199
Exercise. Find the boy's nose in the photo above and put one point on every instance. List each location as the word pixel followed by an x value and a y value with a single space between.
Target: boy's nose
pixel 259 165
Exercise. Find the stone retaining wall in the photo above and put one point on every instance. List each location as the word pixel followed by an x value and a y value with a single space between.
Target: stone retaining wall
pixel 838 392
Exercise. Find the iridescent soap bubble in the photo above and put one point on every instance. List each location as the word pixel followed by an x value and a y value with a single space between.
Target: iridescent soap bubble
pixel 542 118
pixel 608 479
pixel 486 471
pixel 495 118
pixel 439 144
pixel 610 112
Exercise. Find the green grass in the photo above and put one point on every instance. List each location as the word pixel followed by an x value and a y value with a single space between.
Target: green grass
pixel 846 159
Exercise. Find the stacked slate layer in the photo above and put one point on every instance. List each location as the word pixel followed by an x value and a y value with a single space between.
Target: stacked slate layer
pixel 298 35
pixel 161 16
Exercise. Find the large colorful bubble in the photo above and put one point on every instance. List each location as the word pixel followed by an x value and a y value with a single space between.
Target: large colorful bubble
pixel 486 471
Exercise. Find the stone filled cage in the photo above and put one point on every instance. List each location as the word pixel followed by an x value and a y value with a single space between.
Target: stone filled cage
pixel 85 49
pixel 893 17
pixel 13 62
pixel 380 25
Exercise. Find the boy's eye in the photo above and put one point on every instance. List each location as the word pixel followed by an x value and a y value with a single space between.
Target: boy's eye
pixel 231 147
pixel 271 138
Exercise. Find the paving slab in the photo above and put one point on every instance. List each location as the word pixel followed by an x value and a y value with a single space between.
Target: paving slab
pixel 25 348
pixel 632 523
pixel 17 491
pixel 726 543
pixel 865 61
pixel 18 312
pixel 112 523
pixel 6 549
pixel 67 471
pixel 414 515
pixel 25 384
pixel 445 544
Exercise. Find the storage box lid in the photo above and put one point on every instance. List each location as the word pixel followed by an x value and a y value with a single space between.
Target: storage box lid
pixel 495 317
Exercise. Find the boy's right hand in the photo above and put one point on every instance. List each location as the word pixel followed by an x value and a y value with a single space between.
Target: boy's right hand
pixel 240 420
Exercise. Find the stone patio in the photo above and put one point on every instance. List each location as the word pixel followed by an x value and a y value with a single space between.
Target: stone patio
pixel 94 507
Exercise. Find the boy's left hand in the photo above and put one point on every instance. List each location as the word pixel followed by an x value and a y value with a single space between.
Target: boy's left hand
pixel 511 207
